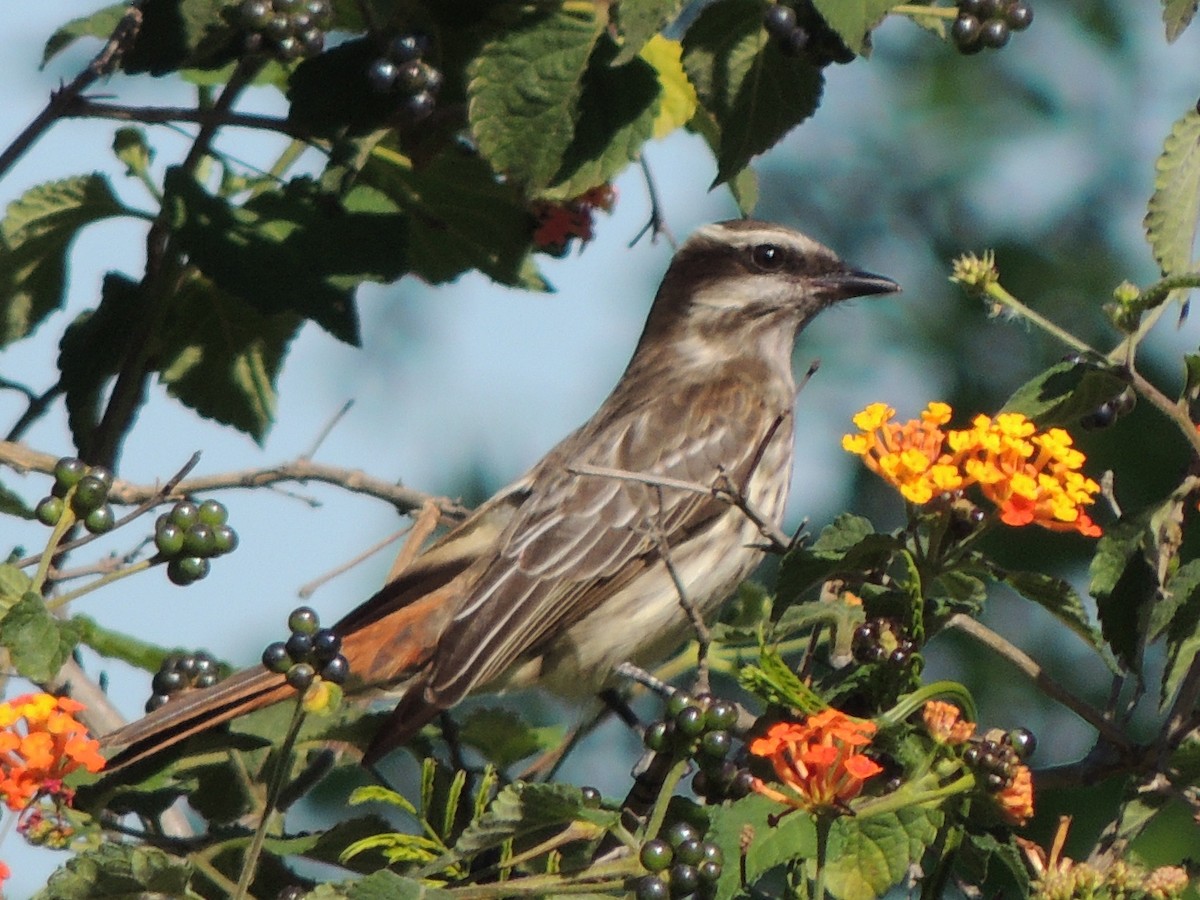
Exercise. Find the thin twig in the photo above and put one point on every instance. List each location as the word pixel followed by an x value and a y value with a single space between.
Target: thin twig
pixel 703 635
pixel 23 459
pixel 102 63
pixel 424 524
pixel 656 224
pixel 307 590
pixel 1044 682
pixel 327 429
pixel 84 108
pixel 35 410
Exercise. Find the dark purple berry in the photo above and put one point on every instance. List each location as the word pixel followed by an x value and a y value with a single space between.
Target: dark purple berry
pixel 289 48
pixel 326 644
pixel 1023 742
pixel 312 41
pixel 690 852
pixel 336 670
pixel 779 20
pixel 155 701
pixel 381 75
pixel 709 871
pixel 994 33
pixel 684 880
pixel 716 744
pixel 970 7
pixel 419 105
pixel 651 887
pixel 167 682
pixel 965 31
pixel 410 77
pixel 301 675
pixel 721 715
pixel 276 657
pixel 278 29
pixel 680 832
pixel 407 47
pixel 794 42
pixel 299 646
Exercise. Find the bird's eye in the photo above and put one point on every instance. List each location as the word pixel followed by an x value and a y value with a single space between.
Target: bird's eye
pixel 768 257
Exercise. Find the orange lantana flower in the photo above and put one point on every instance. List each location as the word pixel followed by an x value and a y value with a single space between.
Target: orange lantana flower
pixel 41 743
pixel 1016 800
pixel 1032 477
pixel 945 723
pixel 817 760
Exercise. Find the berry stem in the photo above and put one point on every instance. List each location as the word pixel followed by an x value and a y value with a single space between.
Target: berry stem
pixel 64 524
pixel 659 813
pixel 63 599
pixel 916 11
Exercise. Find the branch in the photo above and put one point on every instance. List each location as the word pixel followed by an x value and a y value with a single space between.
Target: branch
pixel 405 500
pixel 84 108
pixel 104 62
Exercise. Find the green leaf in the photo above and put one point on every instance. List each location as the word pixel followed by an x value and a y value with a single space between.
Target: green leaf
pixel 524 89
pixel 37 642
pixel 221 357
pixel 116 870
pixel 459 216
pixel 853 19
pixel 91 351
pixel 774 681
pixel 35 236
pixel 13 504
pixel 99 24
pixel 980 849
pixel 867 856
pixel 522 808
pixel 1123 584
pixel 849 544
pixel 1183 642
pixel 1183 582
pixel 754 92
pixel 1171 217
pixel 616 114
pixel 640 20
pixel 132 148
pixel 330 96
pixel 1177 15
pixel 14 584
pixel 775 842
pixel 385 885
pixel 179 34
pixel 315 250
pixel 1065 393
pixel 1058 598
pixel 503 737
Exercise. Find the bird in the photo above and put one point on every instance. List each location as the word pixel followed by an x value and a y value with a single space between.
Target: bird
pixel 591 558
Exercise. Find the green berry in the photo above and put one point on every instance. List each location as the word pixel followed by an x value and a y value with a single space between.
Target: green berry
pixel 304 620
pixel 198 540
pixel 301 675
pixel 716 744
pixel 710 872
pixel 657 736
pixel 49 510
pixel 101 520
pixel 690 721
pixel 722 715
pixel 183 570
pixel 168 538
pixel 677 702
pixel 213 512
pixel 656 855
pixel 225 540
pixel 185 514
pixel 1023 742
pixel 690 852
pixel 167 681
pixel 68 471
pixel 591 797
pixel 254 14
pixel 778 20
pixel 275 657
pixel 680 832
pixel 103 475
pixel 90 493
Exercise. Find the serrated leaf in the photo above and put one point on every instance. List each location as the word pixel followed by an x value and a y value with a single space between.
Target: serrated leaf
pixel 754 92
pixel 850 543
pixel 1183 582
pixel 868 855
pixel 35 236
pixel 521 808
pixel 316 251
pixel 1065 393
pixel 1177 15
pixel 91 350
pixel 179 34
pixel 853 19
pixel 99 24
pixel 385 885
pixel 1059 598
pixel 616 115
pixel 1171 217
pixel 459 217
pixel 639 21
pixel 1123 583
pixel 221 357
pixel 773 842
pixel 1183 642
pixel 524 87
pixel 14 584
pixel 38 643
pixel 979 849
pixel 116 869
pixel 678 101
pixel 774 681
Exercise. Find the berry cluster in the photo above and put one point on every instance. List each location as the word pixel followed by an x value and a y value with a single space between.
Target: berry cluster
pixel 1109 411
pixel 997 755
pixel 700 727
pixel 180 672
pixel 800 30
pixel 285 29
pixel 680 865
pixel 310 652
pixel 883 641
pixel 557 224
pixel 190 535
pixel 988 23
pixel 86 488
pixel 402 71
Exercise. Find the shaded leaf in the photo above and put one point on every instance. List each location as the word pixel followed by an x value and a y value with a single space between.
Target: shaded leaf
pixel 1177 15
pixel 221 357
pixel 524 89
pixel 119 870
pixel 13 504
pixel 615 116
pixel 1171 216
pixel 980 849
pixel 639 21
pixel 1065 393
pixel 521 808
pixel 503 737
pixel 38 643
pixel 178 34
pixel 331 97
pixel 868 855
pixel 1059 598
pixel 14 584
pixel 849 544
pixel 853 19
pixel 754 92
pixel 35 236
pixel 1123 584
pixel 1179 587
pixel 774 842
pixel 459 217
pixel 1183 641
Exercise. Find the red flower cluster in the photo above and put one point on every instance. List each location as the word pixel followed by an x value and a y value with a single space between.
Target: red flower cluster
pixel 817 760
pixel 41 743
pixel 559 223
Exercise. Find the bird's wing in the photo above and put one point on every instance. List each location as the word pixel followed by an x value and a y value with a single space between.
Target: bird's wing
pixel 578 538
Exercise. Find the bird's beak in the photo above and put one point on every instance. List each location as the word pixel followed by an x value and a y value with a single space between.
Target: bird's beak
pixel 849 283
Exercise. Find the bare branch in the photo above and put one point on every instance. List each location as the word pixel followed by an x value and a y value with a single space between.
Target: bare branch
pixel 85 108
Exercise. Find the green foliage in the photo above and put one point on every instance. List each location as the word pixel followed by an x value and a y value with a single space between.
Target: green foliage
pixel 1171 218
pixel 37 642
pixel 869 856
pixel 1066 392
pixel 115 870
